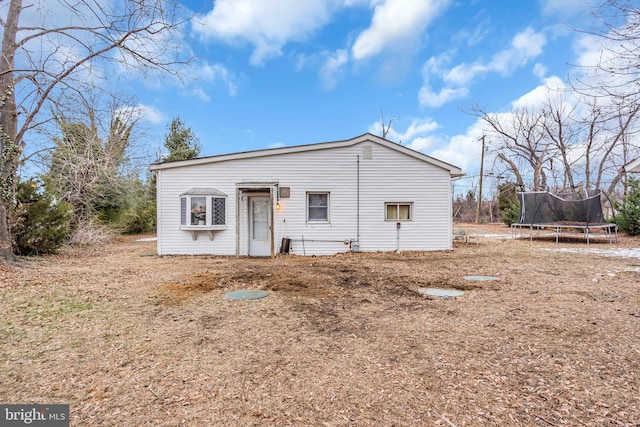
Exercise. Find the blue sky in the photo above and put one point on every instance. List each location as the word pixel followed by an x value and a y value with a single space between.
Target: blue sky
pixel 270 73
pixel 286 72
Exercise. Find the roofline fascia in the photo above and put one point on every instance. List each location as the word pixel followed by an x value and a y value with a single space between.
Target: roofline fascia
pixel 453 170
pixel 633 166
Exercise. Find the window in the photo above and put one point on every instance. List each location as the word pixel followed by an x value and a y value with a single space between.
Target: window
pixel 202 208
pixel 198 211
pixel 398 211
pixel 218 212
pixel 318 207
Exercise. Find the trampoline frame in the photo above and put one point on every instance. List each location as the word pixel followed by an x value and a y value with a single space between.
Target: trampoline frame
pixel 610 229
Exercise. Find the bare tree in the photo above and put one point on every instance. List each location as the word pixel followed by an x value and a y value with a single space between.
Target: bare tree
pixel 559 125
pixel 617 28
pixel 87 164
pixel 387 128
pixel 43 58
pixel 568 143
pixel 594 143
pixel 521 143
pixel 619 148
pixel 614 81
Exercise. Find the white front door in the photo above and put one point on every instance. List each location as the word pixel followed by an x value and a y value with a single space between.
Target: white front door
pixel 259 226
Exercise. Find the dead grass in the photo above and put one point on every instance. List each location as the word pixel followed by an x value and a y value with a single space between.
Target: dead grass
pixel 131 339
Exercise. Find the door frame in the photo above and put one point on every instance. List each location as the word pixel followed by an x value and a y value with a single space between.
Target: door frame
pixel 244 191
pixel 250 200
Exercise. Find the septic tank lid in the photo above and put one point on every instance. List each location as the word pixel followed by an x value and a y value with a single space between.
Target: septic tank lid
pixel 440 292
pixel 480 278
pixel 246 294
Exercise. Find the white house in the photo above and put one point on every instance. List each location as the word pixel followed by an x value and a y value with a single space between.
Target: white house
pixel 632 167
pixel 361 194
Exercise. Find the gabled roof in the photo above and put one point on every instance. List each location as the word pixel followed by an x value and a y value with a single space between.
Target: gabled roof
pixel 632 167
pixel 367 137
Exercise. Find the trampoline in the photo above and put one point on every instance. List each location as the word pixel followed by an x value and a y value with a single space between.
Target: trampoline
pixel 542 212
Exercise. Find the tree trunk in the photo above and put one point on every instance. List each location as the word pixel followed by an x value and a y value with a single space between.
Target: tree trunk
pixel 10 148
pixel 514 170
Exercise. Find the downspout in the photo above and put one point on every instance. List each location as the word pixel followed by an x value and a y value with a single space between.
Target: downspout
pixel 238 191
pixel 451 205
pixel 159 238
pixel 358 199
pixel 272 215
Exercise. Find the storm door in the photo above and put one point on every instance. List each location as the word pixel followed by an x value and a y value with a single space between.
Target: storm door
pixel 259 226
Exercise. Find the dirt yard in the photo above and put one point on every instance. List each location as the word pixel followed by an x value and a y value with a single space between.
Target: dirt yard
pixel 128 338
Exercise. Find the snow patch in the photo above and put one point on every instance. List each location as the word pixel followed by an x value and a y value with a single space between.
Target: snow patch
pixel 620 253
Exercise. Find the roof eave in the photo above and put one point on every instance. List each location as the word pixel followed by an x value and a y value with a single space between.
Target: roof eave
pixel 633 166
pixel 453 170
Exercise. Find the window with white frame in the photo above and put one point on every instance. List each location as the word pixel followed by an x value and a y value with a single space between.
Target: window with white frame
pixel 317 207
pixel 398 211
pixel 201 208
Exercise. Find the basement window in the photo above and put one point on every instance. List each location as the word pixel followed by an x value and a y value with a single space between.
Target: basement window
pixel 395 211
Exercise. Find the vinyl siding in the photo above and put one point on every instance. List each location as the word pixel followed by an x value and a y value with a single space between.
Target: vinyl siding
pixel 389 176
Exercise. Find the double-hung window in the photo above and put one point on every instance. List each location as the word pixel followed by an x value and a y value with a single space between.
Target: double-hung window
pixel 203 207
pixel 398 211
pixel 317 207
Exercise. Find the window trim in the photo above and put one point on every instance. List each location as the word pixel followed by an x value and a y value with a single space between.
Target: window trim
pixel 397 205
pixel 328 207
pixel 185 203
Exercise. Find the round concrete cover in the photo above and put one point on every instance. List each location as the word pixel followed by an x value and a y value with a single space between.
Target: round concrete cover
pixel 437 292
pixel 246 294
pixel 480 278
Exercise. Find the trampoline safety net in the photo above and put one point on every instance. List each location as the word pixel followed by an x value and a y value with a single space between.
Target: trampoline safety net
pixel 579 209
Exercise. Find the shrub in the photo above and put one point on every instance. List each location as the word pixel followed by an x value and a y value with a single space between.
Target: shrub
pixel 628 217
pixel 39 223
pixel 139 219
pixel 508 203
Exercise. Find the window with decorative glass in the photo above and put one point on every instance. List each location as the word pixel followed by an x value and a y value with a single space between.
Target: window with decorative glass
pixel 398 211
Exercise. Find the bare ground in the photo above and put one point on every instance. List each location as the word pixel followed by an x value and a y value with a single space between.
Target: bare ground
pixel 128 338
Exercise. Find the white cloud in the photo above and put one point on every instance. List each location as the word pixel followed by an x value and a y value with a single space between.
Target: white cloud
pixel 606 66
pixel 539 70
pixel 424 143
pixel 396 24
pixel 332 68
pixel 200 93
pixel 463 151
pixel 472 37
pixel 564 8
pixel 267 25
pixel 460 150
pixel 434 67
pixel 152 114
pixel 418 127
pixel 217 73
pixel 133 113
pixel 427 97
pixel 525 46
pixel 415 135
pixel 464 73
pixel 589 51
pixel 536 98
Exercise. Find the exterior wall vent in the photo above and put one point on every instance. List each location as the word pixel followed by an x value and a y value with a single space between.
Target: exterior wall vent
pixel 284 192
pixel 367 152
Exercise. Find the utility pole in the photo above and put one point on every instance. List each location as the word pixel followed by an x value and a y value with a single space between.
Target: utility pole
pixel 480 190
